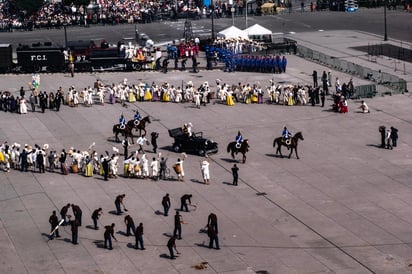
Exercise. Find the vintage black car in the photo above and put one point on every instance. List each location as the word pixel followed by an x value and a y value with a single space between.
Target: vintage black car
pixel 195 144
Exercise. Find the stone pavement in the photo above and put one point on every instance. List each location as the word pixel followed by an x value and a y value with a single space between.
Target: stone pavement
pixel 342 208
pixel 339 44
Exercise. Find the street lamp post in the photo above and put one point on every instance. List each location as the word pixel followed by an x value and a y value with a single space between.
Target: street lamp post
pixel 212 14
pixel 65 34
pixel 246 15
pixel 385 37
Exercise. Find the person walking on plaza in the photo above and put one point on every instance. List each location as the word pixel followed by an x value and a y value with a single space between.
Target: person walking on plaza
pixel 95 216
pixel 212 220
pixel 128 220
pixel 32 101
pixel 166 204
pixel 184 202
pixel 181 172
pixel 125 144
pixel 235 175
pixel 163 167
pixel 394 136
pixel 118 203
pixel 75 230
pixel 139 237
pixel 171 244
pixel 315 78
pixel 388 139
pixel 54 222
pixel 213 237
pixel 154 166
pixel 62 161
pixel 204 168
pixel 108 235
pixel 382 131
pixel 63 213
pixel 154 136
pixel 322 98
pixel 178 225
pixel 77 213
pixel 105 165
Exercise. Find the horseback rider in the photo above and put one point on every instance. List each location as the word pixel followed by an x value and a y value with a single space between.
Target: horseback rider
pixel 122 121
pixel 239 139
pixel 137 117
pixel 286 134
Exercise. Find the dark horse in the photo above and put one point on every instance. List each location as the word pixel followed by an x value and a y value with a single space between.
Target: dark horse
pixel 244 147
pixel 293 144
pixel 141 126
pixel 126 132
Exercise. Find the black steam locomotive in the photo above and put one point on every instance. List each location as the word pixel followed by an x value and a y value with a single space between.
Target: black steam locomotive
pixel 86 56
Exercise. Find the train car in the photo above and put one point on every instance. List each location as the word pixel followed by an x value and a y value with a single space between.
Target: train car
pixel 80 50
pixel 6 58
pixel 40 57
pixel 109 59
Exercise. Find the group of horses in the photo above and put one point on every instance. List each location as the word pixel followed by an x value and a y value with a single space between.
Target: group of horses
pixel 291 144
pixel 232 148
pixel 127 130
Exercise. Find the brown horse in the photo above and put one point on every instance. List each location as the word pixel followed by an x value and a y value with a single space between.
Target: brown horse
pixel 293 144
pixel 244 147
pixel 141 126
pixel 126 132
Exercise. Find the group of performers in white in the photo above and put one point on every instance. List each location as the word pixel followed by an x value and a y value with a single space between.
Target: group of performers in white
pixel 86 162
pixel 225 93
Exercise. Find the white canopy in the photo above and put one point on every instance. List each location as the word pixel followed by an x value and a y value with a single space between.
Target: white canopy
pixel 257 29
pixel 232 32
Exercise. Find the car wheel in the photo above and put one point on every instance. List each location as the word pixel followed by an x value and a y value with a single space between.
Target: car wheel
pixel 201 152
pixel 176 149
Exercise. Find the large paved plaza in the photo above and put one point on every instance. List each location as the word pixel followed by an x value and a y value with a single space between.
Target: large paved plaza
pixel 343 207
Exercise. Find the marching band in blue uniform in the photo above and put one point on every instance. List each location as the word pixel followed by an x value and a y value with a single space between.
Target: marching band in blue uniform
pixel 246 62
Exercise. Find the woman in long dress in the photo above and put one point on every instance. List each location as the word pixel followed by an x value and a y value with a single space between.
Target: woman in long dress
pixel 23 106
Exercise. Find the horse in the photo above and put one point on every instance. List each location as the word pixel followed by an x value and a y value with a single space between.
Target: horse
pixel 293 144
pixel 141 126
pixel 244 147
pixel 126 132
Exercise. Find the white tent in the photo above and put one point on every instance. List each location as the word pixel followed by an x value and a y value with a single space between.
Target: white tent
pixel 259 33
pixel 232 32
pixel 257 29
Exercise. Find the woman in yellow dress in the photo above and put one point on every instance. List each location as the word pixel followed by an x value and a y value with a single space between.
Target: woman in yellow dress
pixel 229 99
pixel 1 157
pixel 254 95
pixel 166 97
pixel 89 169
pixel 291 102
pixel 132 97
pixel 148 95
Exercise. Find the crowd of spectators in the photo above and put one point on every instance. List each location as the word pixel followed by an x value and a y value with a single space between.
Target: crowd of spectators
pixel 54 14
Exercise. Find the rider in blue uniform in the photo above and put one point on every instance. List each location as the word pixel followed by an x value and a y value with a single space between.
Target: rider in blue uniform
pixel 122 121
pixel 238 139
pixel 137 117
pixel 286 134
